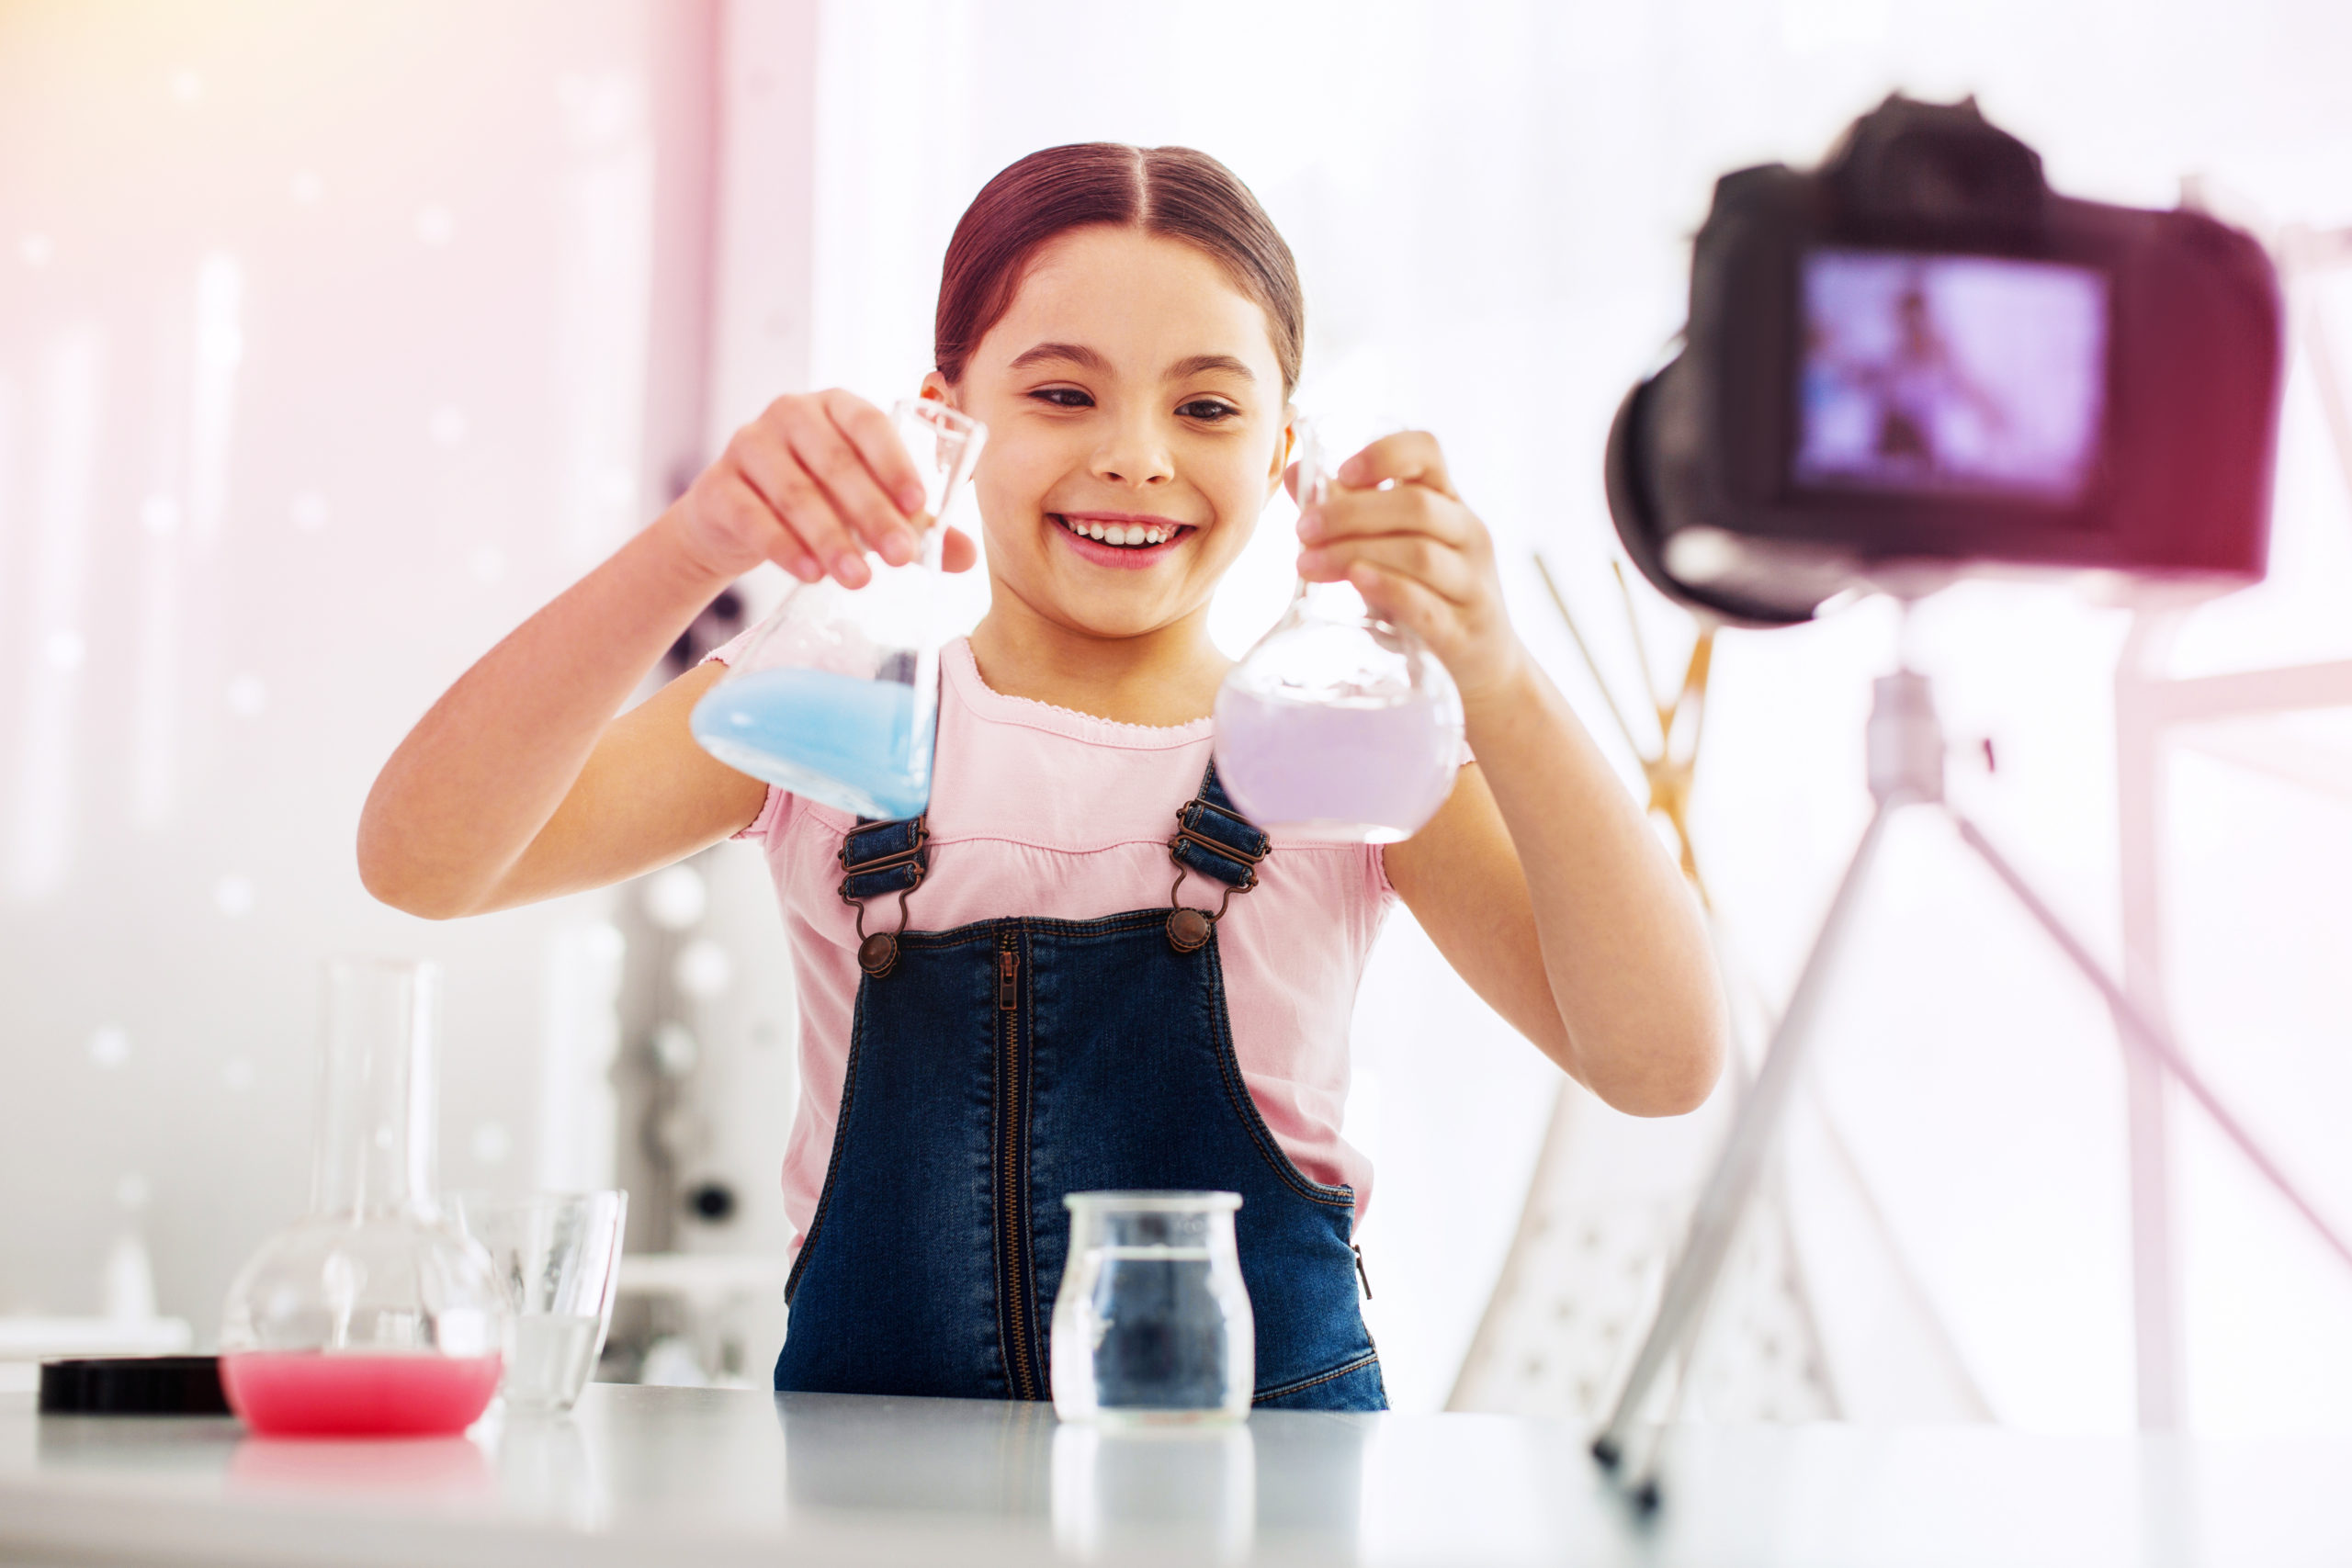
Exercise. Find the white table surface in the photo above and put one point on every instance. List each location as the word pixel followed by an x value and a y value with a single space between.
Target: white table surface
pixel 715 1478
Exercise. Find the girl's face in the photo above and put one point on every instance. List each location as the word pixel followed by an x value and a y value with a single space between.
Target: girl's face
pixel 1137 427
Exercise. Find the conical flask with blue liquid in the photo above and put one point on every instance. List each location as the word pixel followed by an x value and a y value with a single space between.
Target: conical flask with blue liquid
pixel 836 696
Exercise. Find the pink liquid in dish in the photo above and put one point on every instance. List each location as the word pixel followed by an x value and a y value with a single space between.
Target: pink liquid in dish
pixel 1347 774
pixel 314 1393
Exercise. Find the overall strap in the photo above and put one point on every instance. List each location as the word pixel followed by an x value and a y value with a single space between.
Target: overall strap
pixel 1215 841
pixel 877 860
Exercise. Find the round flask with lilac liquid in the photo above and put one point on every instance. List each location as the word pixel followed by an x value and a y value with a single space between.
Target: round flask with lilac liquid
pixel 1337 727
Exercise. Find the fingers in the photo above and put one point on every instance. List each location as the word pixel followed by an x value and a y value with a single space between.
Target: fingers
pixel 1402 601
pixel 1407 457
pixel 1407 509
pixel 1393 528
pixel 1412 529
pixel 1444 571
pixel 956 551
pixel 747 515
pixel 826 453
pixel 813 484
pixel 884 455
pixel 798 506
pixel 836 479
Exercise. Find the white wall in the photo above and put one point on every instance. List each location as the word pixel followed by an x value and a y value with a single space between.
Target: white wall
pixel 327 341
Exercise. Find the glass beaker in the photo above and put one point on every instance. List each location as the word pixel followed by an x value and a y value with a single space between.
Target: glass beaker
pixel 1152 1324
pixel 369 1316
pixel 557 1256
pixel 836 696
pixel 1337 727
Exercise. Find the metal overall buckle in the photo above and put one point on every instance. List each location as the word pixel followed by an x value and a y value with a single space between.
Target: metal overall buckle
pixel 878 953
pixel 1189 929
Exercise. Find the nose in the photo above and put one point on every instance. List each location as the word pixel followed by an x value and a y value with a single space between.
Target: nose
pixel 1134 454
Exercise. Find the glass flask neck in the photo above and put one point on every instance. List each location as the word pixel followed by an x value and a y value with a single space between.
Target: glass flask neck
pixel 377 1099
pixel 1337 601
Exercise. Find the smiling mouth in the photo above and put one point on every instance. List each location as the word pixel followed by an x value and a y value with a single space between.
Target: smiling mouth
pixel 1123 536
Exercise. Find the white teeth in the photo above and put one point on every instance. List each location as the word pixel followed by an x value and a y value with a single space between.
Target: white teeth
pixel 1131 535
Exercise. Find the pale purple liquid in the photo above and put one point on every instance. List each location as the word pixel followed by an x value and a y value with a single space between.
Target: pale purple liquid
pixel 1348 775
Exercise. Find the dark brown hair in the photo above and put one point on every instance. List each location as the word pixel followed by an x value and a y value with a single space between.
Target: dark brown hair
pixel 1172 191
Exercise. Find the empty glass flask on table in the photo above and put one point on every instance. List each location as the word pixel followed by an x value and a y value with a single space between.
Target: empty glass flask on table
pixel 1152 1324
pixel 836 696
pixel 557 1258
pixel 1337 727
pixel 370 1316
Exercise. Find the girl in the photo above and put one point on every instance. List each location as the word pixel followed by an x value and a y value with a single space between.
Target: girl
pixel 1127 323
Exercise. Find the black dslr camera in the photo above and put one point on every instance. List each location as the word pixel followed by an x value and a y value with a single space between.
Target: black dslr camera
pixel 1920 362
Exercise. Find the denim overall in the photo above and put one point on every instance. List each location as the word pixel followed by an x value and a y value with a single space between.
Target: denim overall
pixel 996 1067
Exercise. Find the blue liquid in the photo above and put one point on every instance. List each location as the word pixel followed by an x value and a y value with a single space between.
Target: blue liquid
pixel 839 739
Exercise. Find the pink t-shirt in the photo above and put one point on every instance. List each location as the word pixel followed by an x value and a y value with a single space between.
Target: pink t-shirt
pixel 1037 810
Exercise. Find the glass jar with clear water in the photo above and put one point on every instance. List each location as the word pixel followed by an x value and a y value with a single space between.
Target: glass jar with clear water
pixel 371 1316
pixel 1337 727
pixel 1152 1324
pixel 836 696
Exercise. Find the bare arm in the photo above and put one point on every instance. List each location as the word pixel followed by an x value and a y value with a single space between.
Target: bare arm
pixel 521 785
pixel 1539 879
pixel 1546 889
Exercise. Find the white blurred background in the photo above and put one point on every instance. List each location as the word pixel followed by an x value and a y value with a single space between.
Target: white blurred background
pixel 335 339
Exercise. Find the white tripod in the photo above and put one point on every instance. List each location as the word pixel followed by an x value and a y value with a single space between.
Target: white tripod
pixel 1906 750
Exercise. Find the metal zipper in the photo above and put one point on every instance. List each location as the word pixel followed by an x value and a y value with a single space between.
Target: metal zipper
pixel 1012 1210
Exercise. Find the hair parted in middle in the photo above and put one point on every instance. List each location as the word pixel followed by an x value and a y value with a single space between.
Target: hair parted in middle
pixel 1172 191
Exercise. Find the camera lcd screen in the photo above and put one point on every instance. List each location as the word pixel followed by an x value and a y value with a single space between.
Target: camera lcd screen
pixel 1951 374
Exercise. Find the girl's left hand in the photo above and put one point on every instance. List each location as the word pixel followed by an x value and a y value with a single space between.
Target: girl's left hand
pixel 1420 559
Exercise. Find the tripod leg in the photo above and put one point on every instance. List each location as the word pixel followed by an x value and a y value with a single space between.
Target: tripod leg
pixel 1714 1223
pixel 2144 1034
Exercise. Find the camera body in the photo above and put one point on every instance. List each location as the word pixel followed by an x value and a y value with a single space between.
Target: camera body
pixel 1919 363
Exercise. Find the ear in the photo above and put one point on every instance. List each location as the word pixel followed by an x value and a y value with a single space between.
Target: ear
pixel 936 390
pixel 1285 450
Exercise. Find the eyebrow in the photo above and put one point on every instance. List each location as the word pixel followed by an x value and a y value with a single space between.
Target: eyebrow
pixel 1075 353
pixel 1086 359
pixel 1203 363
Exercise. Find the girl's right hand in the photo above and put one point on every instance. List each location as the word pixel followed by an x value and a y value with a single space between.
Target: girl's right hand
pixel 812 484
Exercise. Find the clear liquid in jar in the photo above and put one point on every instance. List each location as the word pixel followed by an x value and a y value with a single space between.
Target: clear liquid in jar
pixel 1147 1338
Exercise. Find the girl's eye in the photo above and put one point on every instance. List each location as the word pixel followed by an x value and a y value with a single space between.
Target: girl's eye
pixel 1063 397
pixel 1208 410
